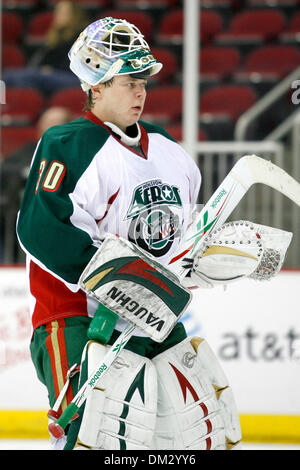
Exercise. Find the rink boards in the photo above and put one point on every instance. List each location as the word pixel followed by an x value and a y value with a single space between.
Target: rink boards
pixel 253 327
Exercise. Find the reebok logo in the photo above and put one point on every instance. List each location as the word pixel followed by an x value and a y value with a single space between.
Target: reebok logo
pixel 218 198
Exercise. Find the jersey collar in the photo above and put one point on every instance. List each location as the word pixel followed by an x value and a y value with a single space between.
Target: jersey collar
pixel 121 137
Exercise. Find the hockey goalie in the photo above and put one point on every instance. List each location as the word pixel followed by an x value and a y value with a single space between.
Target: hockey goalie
pixel 107 204
pixel 159 395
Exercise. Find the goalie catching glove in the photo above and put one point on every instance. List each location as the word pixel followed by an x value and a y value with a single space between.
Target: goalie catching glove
pixel 135 287
pixel 237 250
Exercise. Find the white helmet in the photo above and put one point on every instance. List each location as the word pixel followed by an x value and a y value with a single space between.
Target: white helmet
pixel 110 47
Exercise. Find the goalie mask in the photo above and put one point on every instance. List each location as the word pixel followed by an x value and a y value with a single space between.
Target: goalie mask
pixel 110 47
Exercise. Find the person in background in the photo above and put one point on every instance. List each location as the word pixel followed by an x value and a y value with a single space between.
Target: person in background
pixel 47 68
pixel 111 173
pixel 14 170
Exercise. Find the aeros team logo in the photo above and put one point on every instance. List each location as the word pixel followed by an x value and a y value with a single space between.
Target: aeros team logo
pixel 154 225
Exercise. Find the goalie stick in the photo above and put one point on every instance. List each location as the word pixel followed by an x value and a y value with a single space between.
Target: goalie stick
pixel 57 427
pixel 249 170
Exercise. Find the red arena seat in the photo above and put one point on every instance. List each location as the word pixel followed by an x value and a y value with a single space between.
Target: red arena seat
pixel 71 98
pixel 291 34
pixel 19 4
pixel 269 63
pixel 163 104
pixel 226 102
pixel 12 56
pixel 253 26
pixel 87 3
pixel 38 27
pixel 218 63
pixel 12 27
pixel 176 131
pixel 145 4
pixel 171 27
pixel 13 138
pixel 273 3
pixel 170 64
pixel 22 107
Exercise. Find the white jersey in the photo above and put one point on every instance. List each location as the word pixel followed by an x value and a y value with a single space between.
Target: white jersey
pixel 86 182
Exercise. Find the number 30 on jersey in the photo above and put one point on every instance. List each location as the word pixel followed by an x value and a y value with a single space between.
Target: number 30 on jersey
pixel 53 176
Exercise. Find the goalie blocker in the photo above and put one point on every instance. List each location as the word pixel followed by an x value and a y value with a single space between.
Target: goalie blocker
pixel 135 287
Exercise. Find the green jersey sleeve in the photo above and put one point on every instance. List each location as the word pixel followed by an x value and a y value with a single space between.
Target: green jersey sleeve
pixel 44 224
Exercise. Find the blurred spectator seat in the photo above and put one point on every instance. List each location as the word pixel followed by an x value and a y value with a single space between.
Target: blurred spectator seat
pixel 38 28
pixel 14 138
pixel 170 65
pixel 272 3
pixel 218 63
pixel 86 3
pixel 269 63
pixel 141 19
pixel 12 56
pixel 253 27
pixel 163 104
pixel 218 3
pixel 72 98
pixel 170 30
pixel 22 107
pixel 176 131
pixel 19 4
pixel 291 34
pixel 12 27
pixel 226 102
pixel 211 23
pixel 145 4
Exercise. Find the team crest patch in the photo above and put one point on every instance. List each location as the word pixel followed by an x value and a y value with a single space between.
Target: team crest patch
pixel 154 223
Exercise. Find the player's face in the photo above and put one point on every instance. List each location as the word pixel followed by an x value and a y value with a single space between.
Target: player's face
pixel 122 103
